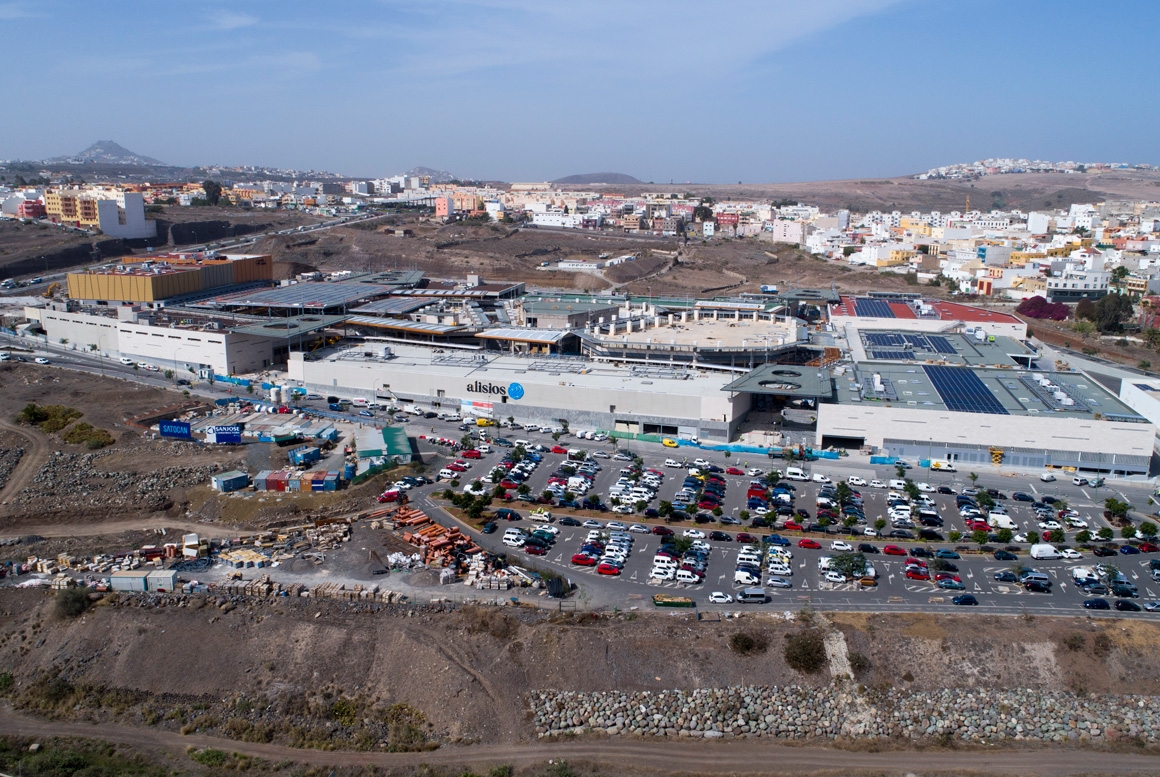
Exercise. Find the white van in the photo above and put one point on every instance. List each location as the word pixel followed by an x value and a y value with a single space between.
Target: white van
pixel 1044 551
pixel 825 563
pixel 359 402
pixel 446 474
pixel 1001 521
pixel 685 576
pixel 523 444
pixel 513 541
pixel 125 360
pixel 742 577
pixel 820 478
pixel 774 568
pixel 795 473
pixel 897 484
pixel 752 596
pixel 942 466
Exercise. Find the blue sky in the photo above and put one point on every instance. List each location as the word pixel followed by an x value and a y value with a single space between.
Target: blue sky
pixel 736 90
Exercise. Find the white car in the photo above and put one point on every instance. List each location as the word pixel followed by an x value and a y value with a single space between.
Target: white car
pixel 616 525
pixel 40 360
pixel 1049 525
pixel 841 545
pixel 600 455
pixel 754 472
pixel 1019 538
pixel 696 534
pixel 854 480
pixel 869 531
pixel 638 528
pixel 877 484
pixel 1076 522
pixel 927 487
pixel 835 577
pixel 1047 477
pixel 673 463
pixel 717 597
pixel 700 463
pixel 1070 553
pixel 661 573
pixel 818 477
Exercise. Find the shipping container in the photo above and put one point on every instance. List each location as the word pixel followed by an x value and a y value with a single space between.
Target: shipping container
pixel 230 481
pixel 131 580
pixel 261 480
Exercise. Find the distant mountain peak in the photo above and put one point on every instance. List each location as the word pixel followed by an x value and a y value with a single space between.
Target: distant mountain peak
pixel 108 152
pixel 436 176
pixel 617 179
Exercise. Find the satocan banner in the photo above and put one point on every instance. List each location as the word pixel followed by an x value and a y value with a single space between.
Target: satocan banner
pixel 177 429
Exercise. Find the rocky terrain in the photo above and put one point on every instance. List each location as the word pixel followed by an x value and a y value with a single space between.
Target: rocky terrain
pixel 855 713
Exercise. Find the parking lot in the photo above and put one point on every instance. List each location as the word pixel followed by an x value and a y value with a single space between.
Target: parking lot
pixel 976 572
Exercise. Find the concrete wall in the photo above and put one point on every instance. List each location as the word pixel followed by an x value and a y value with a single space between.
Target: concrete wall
pixel 1017 331
pixel 584 406
pixel 1063 440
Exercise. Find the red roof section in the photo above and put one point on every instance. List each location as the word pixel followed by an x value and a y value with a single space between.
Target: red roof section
pixel 953 311
pixel 845 307
pixel 902 310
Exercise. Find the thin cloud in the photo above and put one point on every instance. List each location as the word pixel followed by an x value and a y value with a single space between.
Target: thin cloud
pixel 231 20
pixel 10 11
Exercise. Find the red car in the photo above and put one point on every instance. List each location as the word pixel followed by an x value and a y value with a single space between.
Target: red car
pixel 583 560
pixel 809 544
pixel 707 504
pixel 389 496
pixel 792 526
pixel 534 550
pixel 472 453
pixel 917 574
pixel 916 562
pixel 508 483
pixel 1147 547
pixel 559 449
pixel 608 569
pixel 734 471
pixel 746 537
pixel 663 531
pixel 893 550
pixel 455 467
pixel 978 526
pixel 948 576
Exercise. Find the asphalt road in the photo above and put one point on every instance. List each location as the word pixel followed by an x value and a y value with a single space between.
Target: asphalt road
pixel 895 592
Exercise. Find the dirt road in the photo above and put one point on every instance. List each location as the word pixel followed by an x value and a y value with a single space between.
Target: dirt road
pixel 117 527
pixel 35 454
pixel 681 756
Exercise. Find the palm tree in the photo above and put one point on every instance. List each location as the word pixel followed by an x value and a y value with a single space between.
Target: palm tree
pixel 974 476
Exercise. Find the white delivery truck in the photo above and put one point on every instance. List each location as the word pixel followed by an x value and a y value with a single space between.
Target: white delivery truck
pixel 1044 551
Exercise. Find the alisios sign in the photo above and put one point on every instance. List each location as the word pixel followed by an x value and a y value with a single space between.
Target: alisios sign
pixel 512 390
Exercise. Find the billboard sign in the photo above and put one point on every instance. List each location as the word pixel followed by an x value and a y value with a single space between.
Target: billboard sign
pixel 229 434
pixel 176 429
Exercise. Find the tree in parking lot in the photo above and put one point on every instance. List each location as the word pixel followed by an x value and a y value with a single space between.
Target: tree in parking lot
pixel 466 443
pixel 850 522
pixel 771 478
pixel 498 492
pixel 524 489
pixel 1118 510
pixel 1105 533
pixel 843 492
pixel 1148 529
pixel 717 511
pixel 546 495
pixel 849 565
pixel 900 470
pixel 1128 532
pixel 979 537
pixel 743 515
pixel 518 454
pixel 1083 536
pixel 1056 535
pixel 985 500
pixel 1033 537
pixel 665 508
pixel 974 476
pixel 682 545
pixel 879 524
pixel 954 535
pixel 569 496
pixel 912 490
pixel 640 505
pixel 1005 536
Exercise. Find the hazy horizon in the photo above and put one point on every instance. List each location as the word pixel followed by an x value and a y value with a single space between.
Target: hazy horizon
pixel 751 91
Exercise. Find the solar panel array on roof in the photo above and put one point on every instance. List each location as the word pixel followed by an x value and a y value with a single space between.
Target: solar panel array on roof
pixel 873 308
pixel 962 391
pixel 884 339
pixel 941 344
pixel 892 355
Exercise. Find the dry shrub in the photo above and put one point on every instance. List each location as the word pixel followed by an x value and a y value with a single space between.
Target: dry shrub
pixel 749 642
pixel 805 651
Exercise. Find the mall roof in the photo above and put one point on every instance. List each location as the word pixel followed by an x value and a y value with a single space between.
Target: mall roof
pixel 299 296
pixel 784 380
pixel 290 327
pixel 550 336
pixel 871 307
pixel 942 347
pixel 392 306
pixel 981 390
pixel 404 325
pixel 542 306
